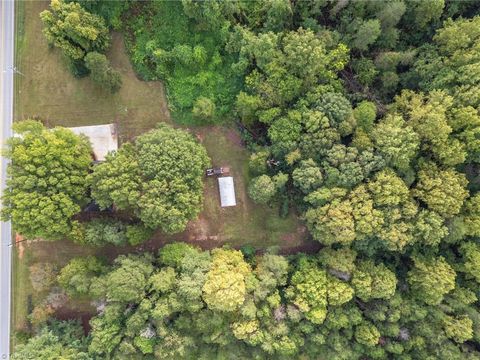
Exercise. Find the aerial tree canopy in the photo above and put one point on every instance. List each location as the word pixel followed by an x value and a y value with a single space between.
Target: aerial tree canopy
pixel 46 182
pixel 74 30
pixel 159 178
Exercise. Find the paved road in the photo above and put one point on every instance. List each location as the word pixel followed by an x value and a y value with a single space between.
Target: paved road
pixel 6 116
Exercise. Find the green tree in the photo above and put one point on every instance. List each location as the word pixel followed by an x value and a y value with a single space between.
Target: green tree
pixel 366 34
pixel 345 167
pixel 430 228
pixel 307 176
pixel 338 292
pixel 172 164
pixel 74 30
pixel 258 163
pixel 430 279
pixel 471 260
pixel 271 271
pixel 77 275
pixel 67 344
pixel 396 141
pixel 285 67
pixel 173 254
pixel 159 178
pixel 367 334
pixel 137 234
pixel 451 65
pixel 46 182
pixel 308 290
pixel 372 281
pixel 465 122
pixel 106 335
pixel 365 114
pixel 100 232
pixel 338 110
pixel 128 281
pixel 472 215
pixel 340 263
pixel 427 11
pixel 428 115
pixel 111 12
pixel 278 15
pixel 332 223
pixel 225 287
pixel 117 180
pixel 444 191
pixel 102 73
pixel 261 189
pixel 459 329
pixel 388 189
pixel 365 70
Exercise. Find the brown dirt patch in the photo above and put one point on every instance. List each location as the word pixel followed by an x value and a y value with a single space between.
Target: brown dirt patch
pixel 19 243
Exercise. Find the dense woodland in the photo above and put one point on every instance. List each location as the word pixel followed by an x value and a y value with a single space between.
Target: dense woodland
pixel 361 116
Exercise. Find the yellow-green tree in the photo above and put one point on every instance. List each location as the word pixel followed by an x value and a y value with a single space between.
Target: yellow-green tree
pixel 225 287
pixel 46 182
pixel 431 278
pixel 74 30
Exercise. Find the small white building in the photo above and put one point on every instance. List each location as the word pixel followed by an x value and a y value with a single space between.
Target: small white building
pixel 227 191
pixel 103 138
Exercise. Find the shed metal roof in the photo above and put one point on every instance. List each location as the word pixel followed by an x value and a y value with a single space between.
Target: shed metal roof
pixel 102 137
pixel 227 191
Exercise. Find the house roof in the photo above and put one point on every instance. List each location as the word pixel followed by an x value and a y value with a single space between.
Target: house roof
pixel 103 138
pixel 227 191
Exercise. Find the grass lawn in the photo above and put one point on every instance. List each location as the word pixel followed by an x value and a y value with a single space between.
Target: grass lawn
pixel 48 92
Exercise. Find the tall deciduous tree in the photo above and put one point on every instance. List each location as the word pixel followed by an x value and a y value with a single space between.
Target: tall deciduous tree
pixel 452 64
pixel 444 191
pixel 430 279
pixel 396 141
pixel 160 178
pixel 225 286
pixel 172 164
pixel 77 275
pixel 60 340
pixel 117 180
pixel 46 182
pixel 74 30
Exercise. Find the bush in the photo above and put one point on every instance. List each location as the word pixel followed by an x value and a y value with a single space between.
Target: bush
pixel 261 189
pixel 203 108
pixel 137 234
pixel 248 252
pixel 258 163
pixel 101 232
pixel 101 72
pixel 190 57
pixel 42 276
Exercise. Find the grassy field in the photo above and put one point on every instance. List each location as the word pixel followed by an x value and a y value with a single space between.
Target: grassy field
pixel 47 91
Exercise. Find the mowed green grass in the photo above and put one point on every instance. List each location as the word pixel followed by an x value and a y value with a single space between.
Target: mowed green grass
pixel 48 92
pixel 246 223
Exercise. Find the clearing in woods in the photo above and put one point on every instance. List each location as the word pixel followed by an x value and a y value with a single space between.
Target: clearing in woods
pixel 48 92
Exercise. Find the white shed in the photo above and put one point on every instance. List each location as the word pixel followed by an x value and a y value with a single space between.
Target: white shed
pixel 102 137
pixel 227 191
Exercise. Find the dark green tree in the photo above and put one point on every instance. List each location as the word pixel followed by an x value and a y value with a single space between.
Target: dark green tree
pixel 102 73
